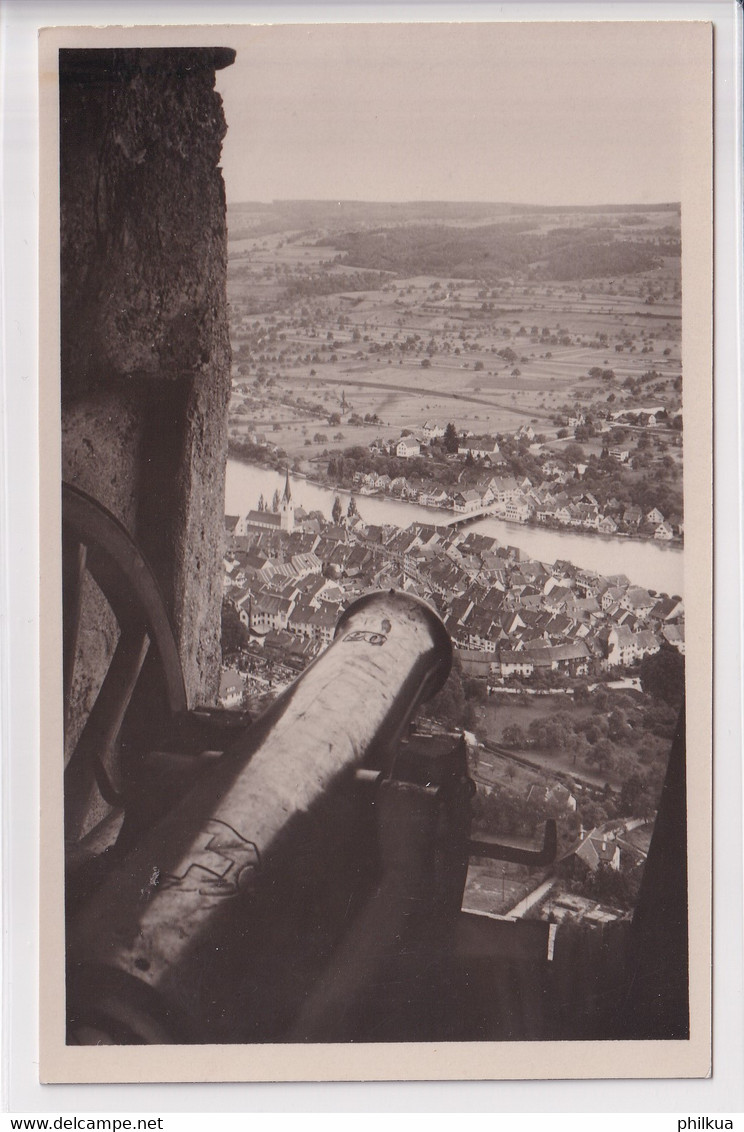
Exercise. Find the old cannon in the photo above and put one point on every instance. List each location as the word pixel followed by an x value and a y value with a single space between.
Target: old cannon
pixel 298 877
pixel 258 886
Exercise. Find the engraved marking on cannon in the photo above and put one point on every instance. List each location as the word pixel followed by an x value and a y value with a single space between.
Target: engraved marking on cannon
pixel 224 863
pixel 366 635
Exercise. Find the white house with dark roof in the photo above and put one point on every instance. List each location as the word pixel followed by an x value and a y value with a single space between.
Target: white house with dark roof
pixel 408 447
pixel 625 647
pixel 480 448
pixel 632 515
pixel 638 600
pixel 504 488
pixel 263 611
pixel 467 501
pixel 597 850
pixel 517 510
pixel 231 689
pixel 513 663
pixel 668 609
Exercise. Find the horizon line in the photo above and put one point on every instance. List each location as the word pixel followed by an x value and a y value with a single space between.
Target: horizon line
pixel 608 205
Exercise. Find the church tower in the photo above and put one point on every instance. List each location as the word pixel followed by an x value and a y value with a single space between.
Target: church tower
pixel 287 507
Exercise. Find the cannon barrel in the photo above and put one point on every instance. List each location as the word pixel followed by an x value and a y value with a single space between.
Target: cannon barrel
pixel 222 886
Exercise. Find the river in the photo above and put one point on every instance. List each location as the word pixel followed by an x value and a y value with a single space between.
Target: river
pixel 645 562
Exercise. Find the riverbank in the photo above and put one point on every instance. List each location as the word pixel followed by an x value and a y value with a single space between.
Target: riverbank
pixel 256 456
pixel 648 563
pixel 463 518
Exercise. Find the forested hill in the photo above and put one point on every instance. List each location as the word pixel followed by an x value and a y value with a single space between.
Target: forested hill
pixel 324 217
pixel 497 250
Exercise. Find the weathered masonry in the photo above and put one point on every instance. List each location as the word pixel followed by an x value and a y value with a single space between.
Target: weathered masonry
pixel 145 352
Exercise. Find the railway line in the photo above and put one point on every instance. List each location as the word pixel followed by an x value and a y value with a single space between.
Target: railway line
pixel 592 783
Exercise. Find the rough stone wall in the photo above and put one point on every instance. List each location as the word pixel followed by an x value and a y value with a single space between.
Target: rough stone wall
pixel 145 349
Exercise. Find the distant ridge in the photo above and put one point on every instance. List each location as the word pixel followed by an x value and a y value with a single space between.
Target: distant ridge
pixel 486 207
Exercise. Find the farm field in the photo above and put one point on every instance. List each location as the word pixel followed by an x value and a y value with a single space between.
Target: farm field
pixel 329 323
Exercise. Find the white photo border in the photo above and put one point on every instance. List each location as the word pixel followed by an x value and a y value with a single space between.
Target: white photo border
pixel 20 660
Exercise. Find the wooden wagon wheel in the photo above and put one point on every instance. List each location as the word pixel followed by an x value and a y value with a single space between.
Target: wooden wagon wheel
pixel 96 543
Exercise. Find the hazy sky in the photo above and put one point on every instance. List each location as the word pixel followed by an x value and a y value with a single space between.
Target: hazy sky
pixel 548 113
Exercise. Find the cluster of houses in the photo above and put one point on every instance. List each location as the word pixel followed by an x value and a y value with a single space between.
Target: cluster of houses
pixel 620 845
pixel 485 448
pixel 289 575
pixel 649 416
pixel 558 508
pixel 523 618
pixel 516 500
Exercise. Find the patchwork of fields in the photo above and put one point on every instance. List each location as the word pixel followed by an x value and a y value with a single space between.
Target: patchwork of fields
pixel 318 334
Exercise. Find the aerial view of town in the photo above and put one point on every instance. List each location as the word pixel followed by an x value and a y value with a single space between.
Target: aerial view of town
pixel 480 405
pixel 385 417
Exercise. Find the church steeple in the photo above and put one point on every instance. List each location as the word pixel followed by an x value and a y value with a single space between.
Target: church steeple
pixel 287 509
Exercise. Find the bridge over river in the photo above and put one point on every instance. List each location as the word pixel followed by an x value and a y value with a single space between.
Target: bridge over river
pixel 461 519
pixel 646 562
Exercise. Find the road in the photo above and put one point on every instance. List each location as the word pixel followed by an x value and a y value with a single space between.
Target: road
pixel 422 391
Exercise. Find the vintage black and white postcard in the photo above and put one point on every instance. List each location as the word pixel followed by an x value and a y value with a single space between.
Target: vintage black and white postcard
pixel 376 474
